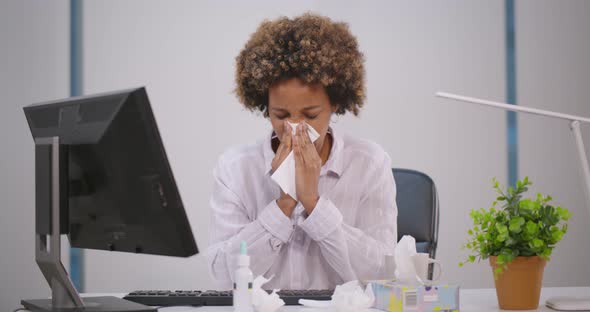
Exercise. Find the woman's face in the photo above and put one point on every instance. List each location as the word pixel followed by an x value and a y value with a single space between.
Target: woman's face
pixel 295 101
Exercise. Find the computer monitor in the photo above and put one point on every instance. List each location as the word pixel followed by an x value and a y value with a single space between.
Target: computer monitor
pixel 102 178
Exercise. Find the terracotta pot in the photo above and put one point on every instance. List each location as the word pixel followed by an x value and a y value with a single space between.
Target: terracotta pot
pixel 519 286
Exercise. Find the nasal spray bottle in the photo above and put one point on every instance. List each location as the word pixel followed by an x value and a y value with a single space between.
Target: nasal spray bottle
pixel 243 282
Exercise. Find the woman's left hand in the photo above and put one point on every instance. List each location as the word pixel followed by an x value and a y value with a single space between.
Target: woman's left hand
pixel 307 168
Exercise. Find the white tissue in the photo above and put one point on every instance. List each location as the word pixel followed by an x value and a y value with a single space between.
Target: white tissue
pixel 404 266
pixel 347 297
pixel 261 300
pixel 284 176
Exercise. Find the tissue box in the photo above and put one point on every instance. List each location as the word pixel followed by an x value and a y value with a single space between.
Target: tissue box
pixel 395 297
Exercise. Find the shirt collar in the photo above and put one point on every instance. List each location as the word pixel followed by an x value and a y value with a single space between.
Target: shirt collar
pixel 334 163
pixel 269 154
pixel 335 160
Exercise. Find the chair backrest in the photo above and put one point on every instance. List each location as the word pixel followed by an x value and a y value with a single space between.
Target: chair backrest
pixel 417 204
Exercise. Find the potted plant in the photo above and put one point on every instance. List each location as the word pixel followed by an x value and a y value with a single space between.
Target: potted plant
pixel 518 238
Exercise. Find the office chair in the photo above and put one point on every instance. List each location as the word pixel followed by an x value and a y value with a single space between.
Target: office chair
pixel 417 204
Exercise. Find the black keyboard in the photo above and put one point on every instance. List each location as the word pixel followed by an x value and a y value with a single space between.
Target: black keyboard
pixel 215 297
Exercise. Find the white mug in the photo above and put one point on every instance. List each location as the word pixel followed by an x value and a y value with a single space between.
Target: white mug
pixel 421 262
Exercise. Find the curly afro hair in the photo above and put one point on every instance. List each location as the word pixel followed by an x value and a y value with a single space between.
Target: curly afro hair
pixel 310 47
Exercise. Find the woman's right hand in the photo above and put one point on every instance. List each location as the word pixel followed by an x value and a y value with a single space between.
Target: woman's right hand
pixel 285 202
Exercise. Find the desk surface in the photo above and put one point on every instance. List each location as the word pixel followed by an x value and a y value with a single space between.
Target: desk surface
pixel 472 300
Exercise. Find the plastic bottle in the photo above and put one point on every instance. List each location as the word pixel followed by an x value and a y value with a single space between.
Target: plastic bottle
pixel 242 293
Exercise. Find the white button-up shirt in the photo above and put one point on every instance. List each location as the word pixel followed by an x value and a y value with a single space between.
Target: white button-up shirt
pixel 347 235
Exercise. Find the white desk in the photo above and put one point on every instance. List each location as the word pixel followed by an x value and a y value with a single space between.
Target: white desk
pixel 472 300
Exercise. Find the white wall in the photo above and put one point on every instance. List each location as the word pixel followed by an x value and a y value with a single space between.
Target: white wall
pixel 184 51
pixel 33 68
pixel 554 73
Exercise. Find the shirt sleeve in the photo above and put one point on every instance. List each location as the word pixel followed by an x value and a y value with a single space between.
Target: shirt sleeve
pixel 358 251
pixel 231 223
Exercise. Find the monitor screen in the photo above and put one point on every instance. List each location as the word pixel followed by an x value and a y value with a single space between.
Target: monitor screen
pixel 120 189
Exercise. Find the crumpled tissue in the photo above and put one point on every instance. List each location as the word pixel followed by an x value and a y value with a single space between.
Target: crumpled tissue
pixel 405 272
pixel 263 301
pixel 347 297
pixel 284 176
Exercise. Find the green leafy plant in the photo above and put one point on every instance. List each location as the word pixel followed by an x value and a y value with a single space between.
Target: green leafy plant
pixel 520 227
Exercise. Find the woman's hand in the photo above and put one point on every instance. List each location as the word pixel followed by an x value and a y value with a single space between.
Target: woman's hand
pixel 285 202
pixel 307 168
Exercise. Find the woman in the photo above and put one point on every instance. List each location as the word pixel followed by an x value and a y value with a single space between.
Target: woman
pixel 343 221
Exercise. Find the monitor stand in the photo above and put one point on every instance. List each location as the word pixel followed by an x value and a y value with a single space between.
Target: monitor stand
pixel 51 221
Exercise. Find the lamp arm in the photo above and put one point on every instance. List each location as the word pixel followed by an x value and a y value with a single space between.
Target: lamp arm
pixel 575 127
pixel 510 107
